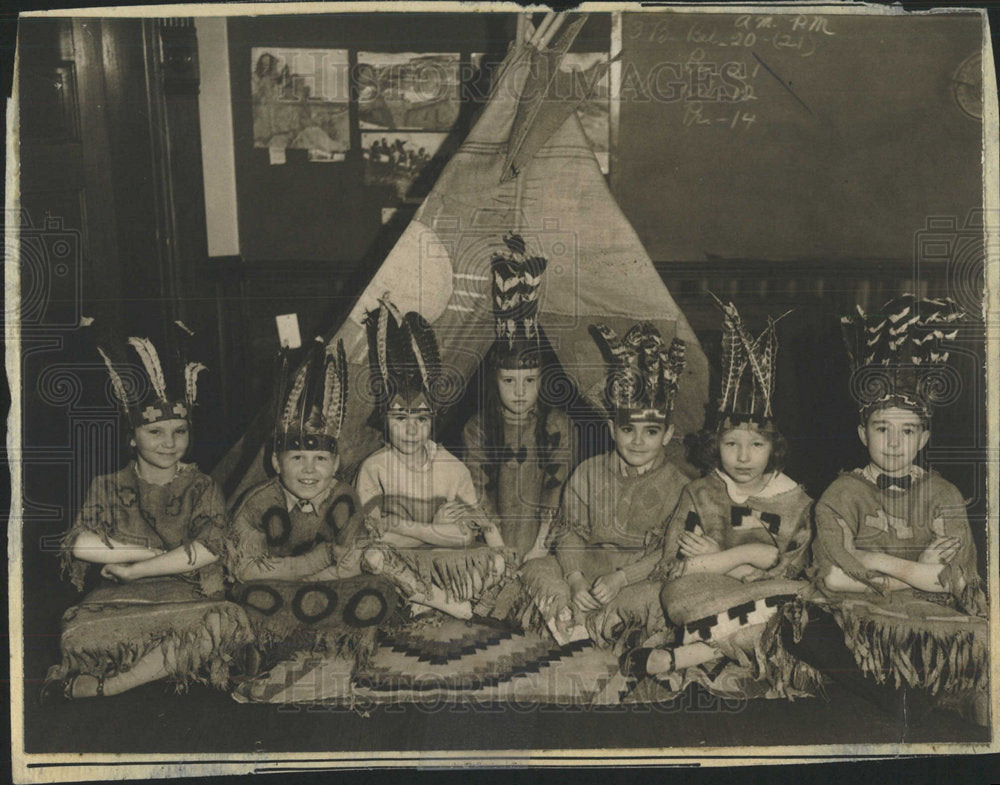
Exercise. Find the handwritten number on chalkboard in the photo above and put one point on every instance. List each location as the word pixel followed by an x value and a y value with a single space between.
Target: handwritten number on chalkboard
pixel 658 33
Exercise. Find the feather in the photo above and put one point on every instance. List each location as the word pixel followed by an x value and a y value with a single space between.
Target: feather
pixel 342 404
pixel 381 343
pixel 294 394
pixel 514 242
pixel 676 361
pixel 610 338
pixel 151 362
pixel 116 380
pixel 733 358
pixel 332 381
pixel 424 347
pixel 281 381
pixel 516 281
pixel 191 371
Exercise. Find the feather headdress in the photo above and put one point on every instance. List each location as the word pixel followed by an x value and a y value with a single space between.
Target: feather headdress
pixel 404 358
pixel 896 353
pixel 516 280
pixel 748 370
pixel 313 409
pixel 645 373
pixel 159 391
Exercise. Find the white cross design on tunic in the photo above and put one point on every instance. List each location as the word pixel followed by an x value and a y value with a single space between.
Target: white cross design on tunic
pixel 883 521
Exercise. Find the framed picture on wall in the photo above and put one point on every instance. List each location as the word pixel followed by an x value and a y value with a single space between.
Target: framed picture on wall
pixel 301 101
pixel 408 91
pixel 406 162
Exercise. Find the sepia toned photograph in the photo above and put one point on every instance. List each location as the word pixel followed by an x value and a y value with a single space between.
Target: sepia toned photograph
pixel 419 92
pixel 300 100
pixel 623 392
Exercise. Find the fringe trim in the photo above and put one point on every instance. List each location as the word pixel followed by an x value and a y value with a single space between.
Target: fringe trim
pixel 453 570
pixel 788 676
pixel 359 644
pixel 972 598
pixel 950 661
pixel 184 653
pixel 525 613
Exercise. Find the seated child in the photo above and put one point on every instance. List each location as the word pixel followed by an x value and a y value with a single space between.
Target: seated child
pixel 156 528
pixel 615 504
pixel 418 499
pixel 303 526
pixel 519 449
pixel 739 536
pixel 895 562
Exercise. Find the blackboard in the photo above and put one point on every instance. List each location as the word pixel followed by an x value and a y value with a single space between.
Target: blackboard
pixel 792 137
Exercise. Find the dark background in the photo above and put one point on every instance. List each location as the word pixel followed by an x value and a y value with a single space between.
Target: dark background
pixel 100 170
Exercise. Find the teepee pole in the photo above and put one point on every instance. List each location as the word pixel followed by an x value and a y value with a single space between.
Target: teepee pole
pixel 553 28
pixel 542 27
pixel 524 29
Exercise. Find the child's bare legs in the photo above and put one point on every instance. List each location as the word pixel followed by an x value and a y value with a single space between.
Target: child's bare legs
pixel 686 656
pixel 152 666
pixel 149 668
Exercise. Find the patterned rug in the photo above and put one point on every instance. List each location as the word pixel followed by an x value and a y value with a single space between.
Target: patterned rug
pixel 443 659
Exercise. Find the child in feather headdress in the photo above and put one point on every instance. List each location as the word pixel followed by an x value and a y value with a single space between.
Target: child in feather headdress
pixel 895 562
pixel 156 530
pixel 519 448
pixel 614 505
pixel 419 499
pixel 305 526
pixel 739 535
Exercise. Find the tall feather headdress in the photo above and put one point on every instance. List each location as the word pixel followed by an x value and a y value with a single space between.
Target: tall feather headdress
pixel 645 373
pixel 151 390
pixel 312 411
pixel 748 370
pixel 404 358
pixel 516 281
pixel 896 353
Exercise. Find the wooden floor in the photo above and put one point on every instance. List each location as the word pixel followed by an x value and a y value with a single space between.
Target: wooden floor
pixel 153 719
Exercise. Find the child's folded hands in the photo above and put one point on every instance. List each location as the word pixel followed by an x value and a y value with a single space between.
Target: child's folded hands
pixel 697 543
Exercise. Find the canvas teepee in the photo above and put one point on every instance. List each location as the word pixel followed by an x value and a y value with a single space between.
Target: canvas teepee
pixel 527 167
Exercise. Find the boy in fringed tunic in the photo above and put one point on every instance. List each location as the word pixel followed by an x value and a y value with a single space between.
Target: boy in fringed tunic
pixel 737 540
pixel 429 535
pixel 155 529
pixel 895 562
pixel 519 449
pixel 616 505
pixel 295 545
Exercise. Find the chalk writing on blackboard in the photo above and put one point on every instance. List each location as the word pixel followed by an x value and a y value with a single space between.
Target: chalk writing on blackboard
pixel 714 66
pixel 802 33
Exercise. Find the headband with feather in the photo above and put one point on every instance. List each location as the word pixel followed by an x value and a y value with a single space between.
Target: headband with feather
pixel 748 371
pixel 645 375
pixel 313 410
pixel 404 358
pixel 896 353
pixel 516 280
pixel 160 391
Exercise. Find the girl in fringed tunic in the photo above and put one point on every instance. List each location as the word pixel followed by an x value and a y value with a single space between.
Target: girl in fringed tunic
pixel 295 546
pixel 736 542
pixel 155 529
pixel 615 506
pixel 420 505
pixel 519 449
pixel 895 562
